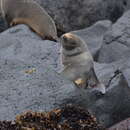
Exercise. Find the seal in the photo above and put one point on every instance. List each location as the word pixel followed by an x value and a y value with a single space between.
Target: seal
pixel 78 62
pixel 30 13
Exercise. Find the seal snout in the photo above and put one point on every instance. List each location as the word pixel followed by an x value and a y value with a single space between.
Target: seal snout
pixel 67 36
pixel 64 38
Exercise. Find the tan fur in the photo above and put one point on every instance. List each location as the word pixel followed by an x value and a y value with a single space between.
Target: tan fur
pixel 30 13
pixel 78 62
pixel 28 22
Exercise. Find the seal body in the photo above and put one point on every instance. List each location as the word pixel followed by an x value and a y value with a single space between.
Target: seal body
pixel 78 62
pixel 30 13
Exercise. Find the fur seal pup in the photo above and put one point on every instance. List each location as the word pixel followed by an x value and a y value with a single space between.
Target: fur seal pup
pixel 78 63
pixel 30 13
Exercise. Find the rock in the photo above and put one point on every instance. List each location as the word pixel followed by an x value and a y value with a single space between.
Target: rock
pixel 80 14
pixel 123 125
pixel 116 44
pixel 74 15
pixel 3 24
pixel 29 80
pixel 114 106
pixel 93 35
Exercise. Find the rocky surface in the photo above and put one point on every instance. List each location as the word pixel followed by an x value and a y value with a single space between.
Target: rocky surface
pixel 123 125
pixel 72 15
pixel 116 42
pixel 29 76
pixel 93 35
pixel 80 14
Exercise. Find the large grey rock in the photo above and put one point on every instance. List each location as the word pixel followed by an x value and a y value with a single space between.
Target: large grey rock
pixel 114 106
pixel 22 89
pixel 43 89
pixel 93 35
pixel 78 14
pixel 116 43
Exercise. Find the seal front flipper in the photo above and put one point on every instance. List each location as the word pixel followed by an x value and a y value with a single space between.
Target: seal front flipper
pixel 16 21
pixel 94 82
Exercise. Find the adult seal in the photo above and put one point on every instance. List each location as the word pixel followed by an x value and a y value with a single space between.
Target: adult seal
pixel 30 13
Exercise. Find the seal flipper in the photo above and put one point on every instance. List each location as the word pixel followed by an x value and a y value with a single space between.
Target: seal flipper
pixel 98 85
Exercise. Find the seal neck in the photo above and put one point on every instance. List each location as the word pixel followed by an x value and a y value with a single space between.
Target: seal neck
pixel 73 52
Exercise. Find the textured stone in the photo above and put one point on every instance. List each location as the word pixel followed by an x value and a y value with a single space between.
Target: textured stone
pixel 93 35
pixel 73 15
pixel 29 80
pixel 116 43
pixel 77 14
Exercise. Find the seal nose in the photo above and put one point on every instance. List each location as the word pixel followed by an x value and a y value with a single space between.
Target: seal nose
pixel 64 38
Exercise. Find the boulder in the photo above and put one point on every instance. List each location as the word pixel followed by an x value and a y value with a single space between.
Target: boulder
pixel 73 15
pixel 29 80
pixel 123 125
pixel 93 35
pixel 116 42
pixel 114 106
